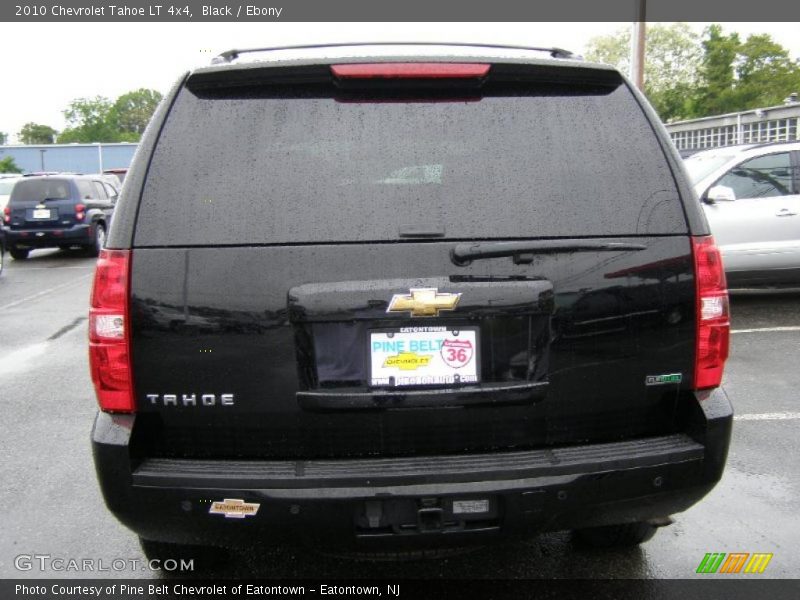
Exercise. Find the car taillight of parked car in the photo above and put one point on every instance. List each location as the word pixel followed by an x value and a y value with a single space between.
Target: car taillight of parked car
pixel 7 215
pixel 80 212
pixel 109 332
pixel 713 323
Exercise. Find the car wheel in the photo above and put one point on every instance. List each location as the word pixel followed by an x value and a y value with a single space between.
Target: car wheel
pixel 203 557
pixel 99 239
pixel 19 253
pixel 610 536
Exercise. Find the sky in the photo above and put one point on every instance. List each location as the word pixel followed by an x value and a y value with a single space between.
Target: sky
pixel 55 63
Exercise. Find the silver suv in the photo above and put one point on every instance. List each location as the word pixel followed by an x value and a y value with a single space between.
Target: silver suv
pixel 751 197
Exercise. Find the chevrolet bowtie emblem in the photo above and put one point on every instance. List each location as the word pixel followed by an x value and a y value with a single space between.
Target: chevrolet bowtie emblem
pixel 423 302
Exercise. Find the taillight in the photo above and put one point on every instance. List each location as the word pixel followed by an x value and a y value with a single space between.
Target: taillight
pixel 7 214
pixel 410 70
pixel 713 325
pixel 80 212
pixel 109 332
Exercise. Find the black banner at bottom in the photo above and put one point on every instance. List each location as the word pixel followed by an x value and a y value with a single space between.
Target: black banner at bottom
pixel 541 589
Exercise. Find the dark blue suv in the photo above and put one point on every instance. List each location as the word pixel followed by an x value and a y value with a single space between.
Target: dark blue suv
pixel 58 211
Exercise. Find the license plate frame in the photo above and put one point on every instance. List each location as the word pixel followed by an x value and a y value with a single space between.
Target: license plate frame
pixel 443 356
pixel 42 214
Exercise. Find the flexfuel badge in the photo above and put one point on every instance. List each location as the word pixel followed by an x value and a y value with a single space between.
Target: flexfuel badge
pixel 663 379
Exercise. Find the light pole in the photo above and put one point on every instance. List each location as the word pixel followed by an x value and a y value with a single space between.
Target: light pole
pixel 637 46
pixel 41 157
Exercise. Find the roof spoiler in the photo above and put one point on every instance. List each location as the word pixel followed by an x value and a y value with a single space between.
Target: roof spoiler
pixel 266 74
pixel 231 55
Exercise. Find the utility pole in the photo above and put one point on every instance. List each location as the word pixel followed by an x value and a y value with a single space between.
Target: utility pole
pixel 637 46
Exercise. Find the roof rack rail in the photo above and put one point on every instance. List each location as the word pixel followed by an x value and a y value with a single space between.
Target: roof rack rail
pixel 233 54
pixel 49 173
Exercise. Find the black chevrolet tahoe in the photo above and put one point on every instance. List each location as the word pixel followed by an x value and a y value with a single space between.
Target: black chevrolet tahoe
pixel 402 298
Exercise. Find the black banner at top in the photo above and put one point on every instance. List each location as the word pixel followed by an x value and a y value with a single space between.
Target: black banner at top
pixel 398 10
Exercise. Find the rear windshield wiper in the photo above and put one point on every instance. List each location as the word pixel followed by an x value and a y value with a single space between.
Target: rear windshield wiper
pixel 463 254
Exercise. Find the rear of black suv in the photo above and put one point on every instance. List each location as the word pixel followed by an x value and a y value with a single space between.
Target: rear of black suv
pixel 403 303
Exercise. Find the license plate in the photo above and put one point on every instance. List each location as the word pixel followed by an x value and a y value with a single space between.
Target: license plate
pixel 41 213
pixel 424 356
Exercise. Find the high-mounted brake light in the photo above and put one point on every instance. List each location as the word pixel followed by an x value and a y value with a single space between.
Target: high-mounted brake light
pixel 410 70
pixel 109 332
pixel 713 324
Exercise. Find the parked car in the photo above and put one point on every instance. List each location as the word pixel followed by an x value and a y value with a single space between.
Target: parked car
pixel 751 198
pixel 119 173
pixel 6 185
pixel 110 179
pixel 471 309
pixel 43 173
pixel 2 252
pixel 58 211
pixel 7 181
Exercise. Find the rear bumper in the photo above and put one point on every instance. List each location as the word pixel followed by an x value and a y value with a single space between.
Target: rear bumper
pixel 47 238
pixel 413 502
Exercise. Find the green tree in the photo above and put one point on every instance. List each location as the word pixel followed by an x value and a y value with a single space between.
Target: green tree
pixel 89 120
pixel 132 112
pixel 7 165
pixel 744 75
pixel 33 133
pixel 97 119
pixel 765 73
pixel 716 95
pixel 672 61
pixel 687 77
pixel 613 49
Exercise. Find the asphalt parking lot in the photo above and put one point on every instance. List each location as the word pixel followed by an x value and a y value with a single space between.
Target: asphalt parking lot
pixel 51 504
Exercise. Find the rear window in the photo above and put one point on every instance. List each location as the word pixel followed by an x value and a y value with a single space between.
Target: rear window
pixel 38 190
pixel 294 165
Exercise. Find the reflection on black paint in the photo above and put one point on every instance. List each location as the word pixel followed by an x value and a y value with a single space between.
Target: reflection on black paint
pixel 262 324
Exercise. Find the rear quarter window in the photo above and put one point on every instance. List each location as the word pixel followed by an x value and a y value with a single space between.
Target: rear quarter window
pixel 295 165
pixel 99 191
pixel 85 189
